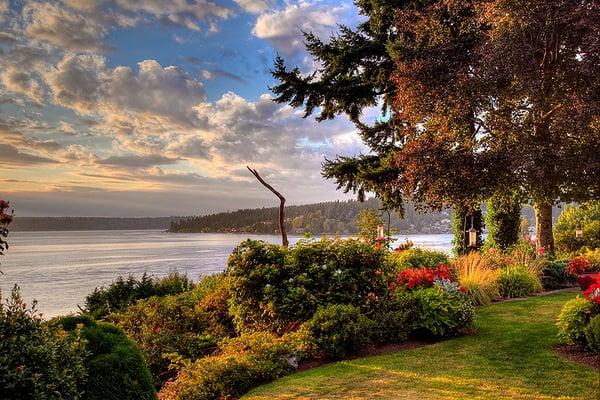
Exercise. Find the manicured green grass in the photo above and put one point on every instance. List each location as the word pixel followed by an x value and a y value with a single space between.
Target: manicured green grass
pixel 510 358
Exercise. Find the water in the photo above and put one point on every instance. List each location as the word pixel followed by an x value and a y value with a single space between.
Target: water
pixel 59 269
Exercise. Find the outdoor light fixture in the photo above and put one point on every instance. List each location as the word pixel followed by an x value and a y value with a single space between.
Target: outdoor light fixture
pixel 578 233
pixel 380 232
pixel 472 235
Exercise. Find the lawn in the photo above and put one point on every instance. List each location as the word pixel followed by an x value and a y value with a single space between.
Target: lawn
pixel 510 358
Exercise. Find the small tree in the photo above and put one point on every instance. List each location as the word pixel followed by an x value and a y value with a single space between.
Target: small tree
pixel 5 219
pixel 585 217
pixel 367 222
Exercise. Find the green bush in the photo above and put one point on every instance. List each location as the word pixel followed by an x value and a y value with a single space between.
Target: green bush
pixel 586 216
pixel 275 289
pixel 37 362
pixel 392 320
pixel 339 330
pixel 416 258
pixel 241 364
pixel 573 320
pixel 439 312
pixel 123 292
pixel 115 366
pixel 518 281
pixel 592 334
pixel 183 326
pixel 555 276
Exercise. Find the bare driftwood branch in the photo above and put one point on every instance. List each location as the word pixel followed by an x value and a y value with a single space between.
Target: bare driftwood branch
pixel 284 239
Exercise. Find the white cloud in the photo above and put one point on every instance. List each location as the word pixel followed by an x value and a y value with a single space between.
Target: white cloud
pixel 255 6
pixel 283 28
pixel 18 81
pixel 60 27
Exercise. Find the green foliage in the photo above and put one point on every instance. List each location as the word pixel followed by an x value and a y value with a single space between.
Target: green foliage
pixel 36 361
pixel 586 217
pixel 391 320
pixel 592 334
pixel 503 221
pixel 123 292
pixel 555 276
pixel 338 330
pixel 417 257
pixel 274 288
pixel 175 327
pixel 573 319
pixel 461 222
pixel 115 366
pixel 439 312
pixel 367 222
pixel 518 281
pixel 242 363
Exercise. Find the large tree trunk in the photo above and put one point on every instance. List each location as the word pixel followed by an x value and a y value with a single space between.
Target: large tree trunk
pixel 284 239
pixel 543 227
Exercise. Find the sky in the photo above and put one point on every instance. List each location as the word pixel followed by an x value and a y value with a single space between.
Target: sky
pixel 155 107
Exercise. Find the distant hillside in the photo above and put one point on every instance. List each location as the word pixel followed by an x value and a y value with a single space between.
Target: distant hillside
pixel 90 223
pixel 330 217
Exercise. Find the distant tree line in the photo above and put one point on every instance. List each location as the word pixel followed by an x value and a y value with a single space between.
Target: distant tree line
pixel 328 217
pixel 91 223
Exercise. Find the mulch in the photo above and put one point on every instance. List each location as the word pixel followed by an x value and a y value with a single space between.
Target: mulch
pixel 578 355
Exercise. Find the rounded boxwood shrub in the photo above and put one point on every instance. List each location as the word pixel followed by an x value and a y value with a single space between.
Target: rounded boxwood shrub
pixel 37 361
pixel 339 330
pixel 439 312
pixel 592 334
pixel 573 320
pixel 115 366
pixel 517 281
pixel 392 320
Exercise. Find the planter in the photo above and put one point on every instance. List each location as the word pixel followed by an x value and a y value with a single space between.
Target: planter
pixel 586 280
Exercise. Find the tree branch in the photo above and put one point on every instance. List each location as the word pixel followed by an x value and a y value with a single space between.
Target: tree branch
pixel 284 239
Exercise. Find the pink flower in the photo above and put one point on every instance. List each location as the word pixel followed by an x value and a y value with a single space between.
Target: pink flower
pixel 5 219
pixel 3 205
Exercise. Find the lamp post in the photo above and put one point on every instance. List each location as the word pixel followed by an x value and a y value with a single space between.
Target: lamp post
pixel 579 233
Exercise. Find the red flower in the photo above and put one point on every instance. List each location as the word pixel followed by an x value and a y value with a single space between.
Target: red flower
pixel 463 289
pixel 578 265
pixel 5 219
pixel 593 292
pixel 3 204
pixel 421 277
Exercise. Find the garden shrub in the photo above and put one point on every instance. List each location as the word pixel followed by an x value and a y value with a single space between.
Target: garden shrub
pixel 37 361
pixel 502 220
pixel 392 320
pixel 518 281
pixel 555 276
pixel 183 326
pixel 123 292
pixel 242 363
pixel 592 334
pixel 593 257
pixel 276 289
pixel 416 258
pixel 420 277
pixel 585 217
pixel 115 366
pixel 476 274
pixel 338 330
pixel 573 320
pixel 439 311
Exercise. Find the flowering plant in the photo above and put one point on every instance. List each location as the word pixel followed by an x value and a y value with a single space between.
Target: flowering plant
pixel 421 277
pixel 593 292
pixel 578 265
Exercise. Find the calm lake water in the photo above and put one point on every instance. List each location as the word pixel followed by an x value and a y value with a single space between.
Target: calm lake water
pixel 59 269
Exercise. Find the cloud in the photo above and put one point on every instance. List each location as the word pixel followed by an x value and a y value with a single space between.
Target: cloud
pixel 283 28
pixel 18 81
pixel 186 13
pixel 10 155
pixel 58 26
pixel 219 73
pixel 255 6
pixel 86 84
pixel 137 161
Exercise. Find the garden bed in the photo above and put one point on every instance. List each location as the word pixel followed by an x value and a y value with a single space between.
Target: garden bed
pixel 513 357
